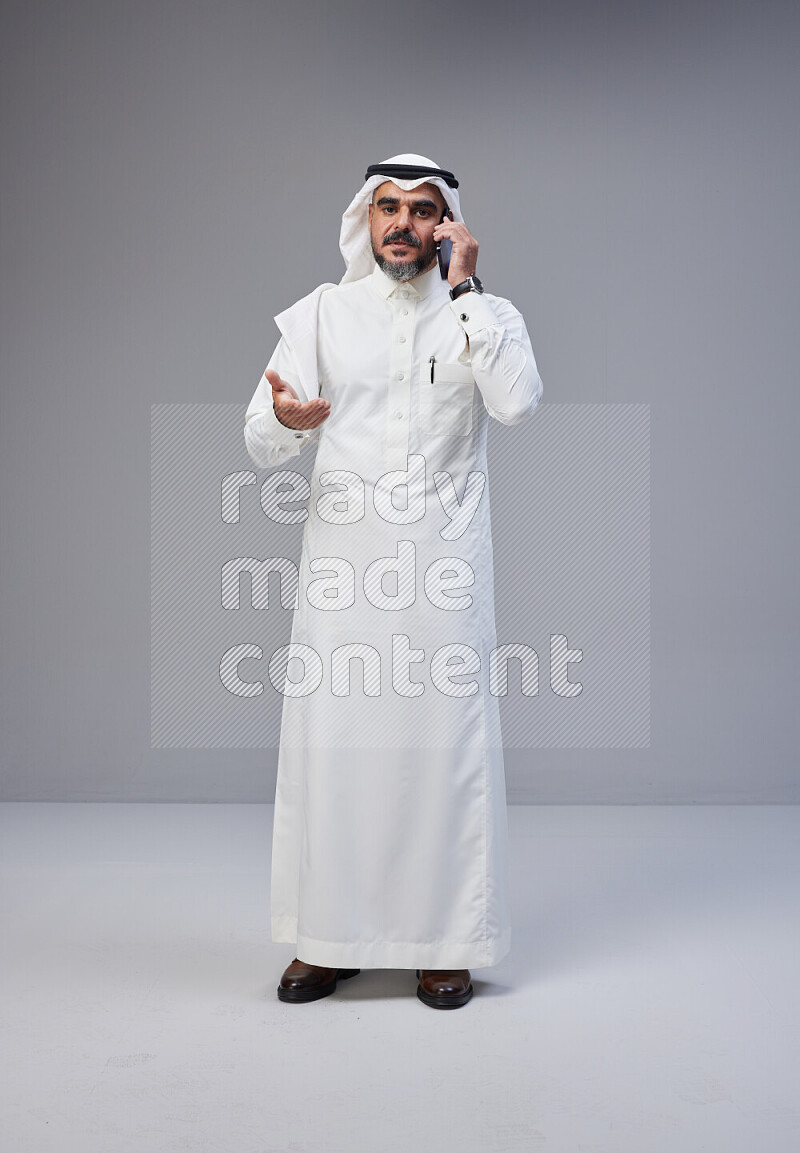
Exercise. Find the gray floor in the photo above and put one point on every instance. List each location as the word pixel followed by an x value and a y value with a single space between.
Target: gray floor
pixel 649 1003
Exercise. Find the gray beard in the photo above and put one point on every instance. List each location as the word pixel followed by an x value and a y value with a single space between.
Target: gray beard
pixel 402 270
pixel 405 269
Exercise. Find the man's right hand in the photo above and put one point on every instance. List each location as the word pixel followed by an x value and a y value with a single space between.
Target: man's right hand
pixel 292 411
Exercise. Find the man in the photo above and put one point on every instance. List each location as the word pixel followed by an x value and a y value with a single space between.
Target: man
pixel 390 833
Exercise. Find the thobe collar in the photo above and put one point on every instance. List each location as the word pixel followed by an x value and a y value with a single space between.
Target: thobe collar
pixel 420 287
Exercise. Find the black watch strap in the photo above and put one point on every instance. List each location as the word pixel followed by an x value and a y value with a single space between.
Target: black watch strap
pixel 471 284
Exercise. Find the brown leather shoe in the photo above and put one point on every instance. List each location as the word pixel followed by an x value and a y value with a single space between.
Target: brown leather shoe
pixel 444 988
pixel 304 982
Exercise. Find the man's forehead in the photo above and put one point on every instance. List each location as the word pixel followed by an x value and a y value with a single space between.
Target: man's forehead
pixel 421 192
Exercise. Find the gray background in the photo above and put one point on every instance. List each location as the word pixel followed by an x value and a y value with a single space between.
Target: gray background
pixel 174 174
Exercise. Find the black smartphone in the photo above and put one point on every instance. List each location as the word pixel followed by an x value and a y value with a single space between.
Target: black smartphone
pixel 444 250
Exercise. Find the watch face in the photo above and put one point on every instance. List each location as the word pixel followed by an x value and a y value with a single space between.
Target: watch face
pixel 476 284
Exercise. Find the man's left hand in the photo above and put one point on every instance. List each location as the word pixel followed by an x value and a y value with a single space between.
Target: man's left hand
pixel 465 250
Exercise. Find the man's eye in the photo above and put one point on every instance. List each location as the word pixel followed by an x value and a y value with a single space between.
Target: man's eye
pixel 423 212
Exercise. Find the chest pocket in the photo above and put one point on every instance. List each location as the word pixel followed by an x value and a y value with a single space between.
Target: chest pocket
pixel 445 407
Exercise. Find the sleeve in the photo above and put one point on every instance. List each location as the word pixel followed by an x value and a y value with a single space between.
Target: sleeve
pixel 269 442
pixel 501 356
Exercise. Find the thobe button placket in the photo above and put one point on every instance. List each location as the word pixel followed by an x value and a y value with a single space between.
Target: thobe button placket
pixel 398 401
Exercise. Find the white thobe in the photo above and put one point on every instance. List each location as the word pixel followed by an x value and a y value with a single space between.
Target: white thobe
pixel 390 830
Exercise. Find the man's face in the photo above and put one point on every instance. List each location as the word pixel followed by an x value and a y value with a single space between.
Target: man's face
pixel 401 228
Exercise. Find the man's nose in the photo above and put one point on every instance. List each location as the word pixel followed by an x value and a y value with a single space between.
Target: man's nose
pixel 404 219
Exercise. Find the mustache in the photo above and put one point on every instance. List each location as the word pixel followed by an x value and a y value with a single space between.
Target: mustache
pixel 404 238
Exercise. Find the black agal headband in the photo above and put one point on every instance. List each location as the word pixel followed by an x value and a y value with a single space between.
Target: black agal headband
pixel 410 172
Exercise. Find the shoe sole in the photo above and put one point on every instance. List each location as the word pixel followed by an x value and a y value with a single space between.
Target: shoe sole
pixel 301 995
pixel 444 1000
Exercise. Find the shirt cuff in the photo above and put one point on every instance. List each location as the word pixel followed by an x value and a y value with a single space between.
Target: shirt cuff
pixel 473 312
pixel 277 433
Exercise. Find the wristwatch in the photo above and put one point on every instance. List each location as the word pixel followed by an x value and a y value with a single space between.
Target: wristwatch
pixel 471 284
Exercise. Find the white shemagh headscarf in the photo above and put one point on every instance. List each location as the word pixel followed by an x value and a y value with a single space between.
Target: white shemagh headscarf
pixel 354 241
